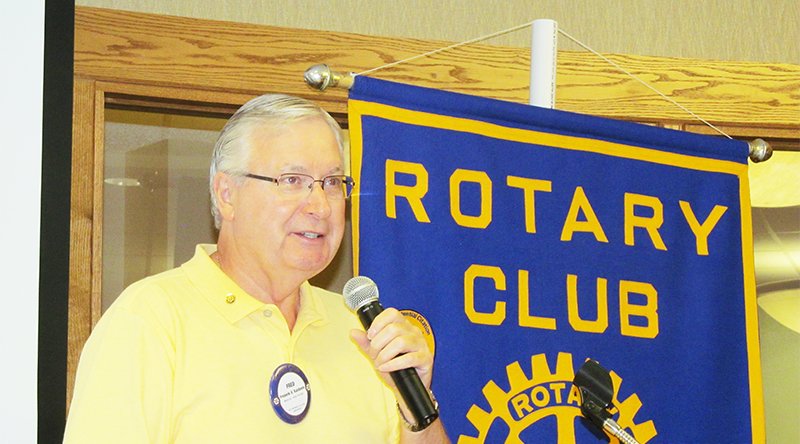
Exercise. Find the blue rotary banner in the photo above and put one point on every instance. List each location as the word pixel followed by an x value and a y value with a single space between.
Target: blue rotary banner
pixel 525 240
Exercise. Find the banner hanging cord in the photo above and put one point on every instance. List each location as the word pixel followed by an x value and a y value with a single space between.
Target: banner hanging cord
pixel 456 45
pixel 652 88
pixel 582 45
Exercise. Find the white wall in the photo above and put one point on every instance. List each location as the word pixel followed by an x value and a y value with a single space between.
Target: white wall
pixel 751 30
pixel 21 41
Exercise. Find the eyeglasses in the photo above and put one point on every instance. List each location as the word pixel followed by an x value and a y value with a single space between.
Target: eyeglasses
pixel 335 187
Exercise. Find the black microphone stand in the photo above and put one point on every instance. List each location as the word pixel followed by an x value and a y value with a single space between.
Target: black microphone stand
pixel 596 390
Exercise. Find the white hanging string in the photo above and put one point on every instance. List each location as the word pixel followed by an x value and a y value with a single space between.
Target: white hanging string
pixel 584 46
pixel 456 45
pixel 652 88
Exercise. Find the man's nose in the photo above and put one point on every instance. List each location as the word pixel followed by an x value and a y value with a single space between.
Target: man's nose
pixel 317 202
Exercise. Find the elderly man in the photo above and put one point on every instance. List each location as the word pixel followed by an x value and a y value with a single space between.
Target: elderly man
pixel 235 346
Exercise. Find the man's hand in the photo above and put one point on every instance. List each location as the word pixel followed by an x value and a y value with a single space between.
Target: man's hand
pixel 393 343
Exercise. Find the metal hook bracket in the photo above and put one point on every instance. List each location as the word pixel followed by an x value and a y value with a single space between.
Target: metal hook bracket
pixel 321 77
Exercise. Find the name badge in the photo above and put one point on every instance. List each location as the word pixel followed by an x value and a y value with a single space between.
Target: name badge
pixel 290 393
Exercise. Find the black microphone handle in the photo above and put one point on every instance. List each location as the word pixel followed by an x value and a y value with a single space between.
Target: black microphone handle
pixel 411 388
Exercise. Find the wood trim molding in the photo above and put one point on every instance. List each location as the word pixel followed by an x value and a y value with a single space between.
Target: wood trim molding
pixel 97 173
pixel 245 59
pixel 81 226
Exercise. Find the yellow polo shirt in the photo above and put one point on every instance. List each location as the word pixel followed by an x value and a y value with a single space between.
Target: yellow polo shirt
pixel 186 356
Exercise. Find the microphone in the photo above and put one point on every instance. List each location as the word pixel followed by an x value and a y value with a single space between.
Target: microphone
pixel 597 392
pixel 361 295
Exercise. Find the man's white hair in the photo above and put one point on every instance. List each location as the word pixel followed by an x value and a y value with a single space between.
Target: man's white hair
pixel 232 150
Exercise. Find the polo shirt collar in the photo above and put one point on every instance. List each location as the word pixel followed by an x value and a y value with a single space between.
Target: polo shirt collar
pixel 231 301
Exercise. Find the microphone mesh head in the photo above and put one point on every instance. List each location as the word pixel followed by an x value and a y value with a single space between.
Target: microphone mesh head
pixel 358 291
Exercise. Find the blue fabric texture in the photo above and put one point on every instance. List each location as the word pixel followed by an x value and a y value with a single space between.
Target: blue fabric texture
pixel 525 259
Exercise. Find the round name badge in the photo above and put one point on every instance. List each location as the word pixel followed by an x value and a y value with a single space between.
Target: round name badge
pixel 289 393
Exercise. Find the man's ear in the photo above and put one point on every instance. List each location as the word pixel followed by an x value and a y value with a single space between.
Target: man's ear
pixel 225 189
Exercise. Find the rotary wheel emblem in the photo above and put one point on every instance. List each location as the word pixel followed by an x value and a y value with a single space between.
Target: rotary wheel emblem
pixel 547 394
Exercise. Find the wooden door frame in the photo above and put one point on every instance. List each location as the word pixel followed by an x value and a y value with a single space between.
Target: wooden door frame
pixel 90 100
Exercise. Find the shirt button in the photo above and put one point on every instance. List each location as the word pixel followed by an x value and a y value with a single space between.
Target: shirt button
pixel 268 313
pixel 230 298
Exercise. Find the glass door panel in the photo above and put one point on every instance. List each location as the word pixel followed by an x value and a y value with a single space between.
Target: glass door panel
pixel 155 194
pixel 156 198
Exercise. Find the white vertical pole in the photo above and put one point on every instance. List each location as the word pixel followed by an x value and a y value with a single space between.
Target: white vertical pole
pixel 544 45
